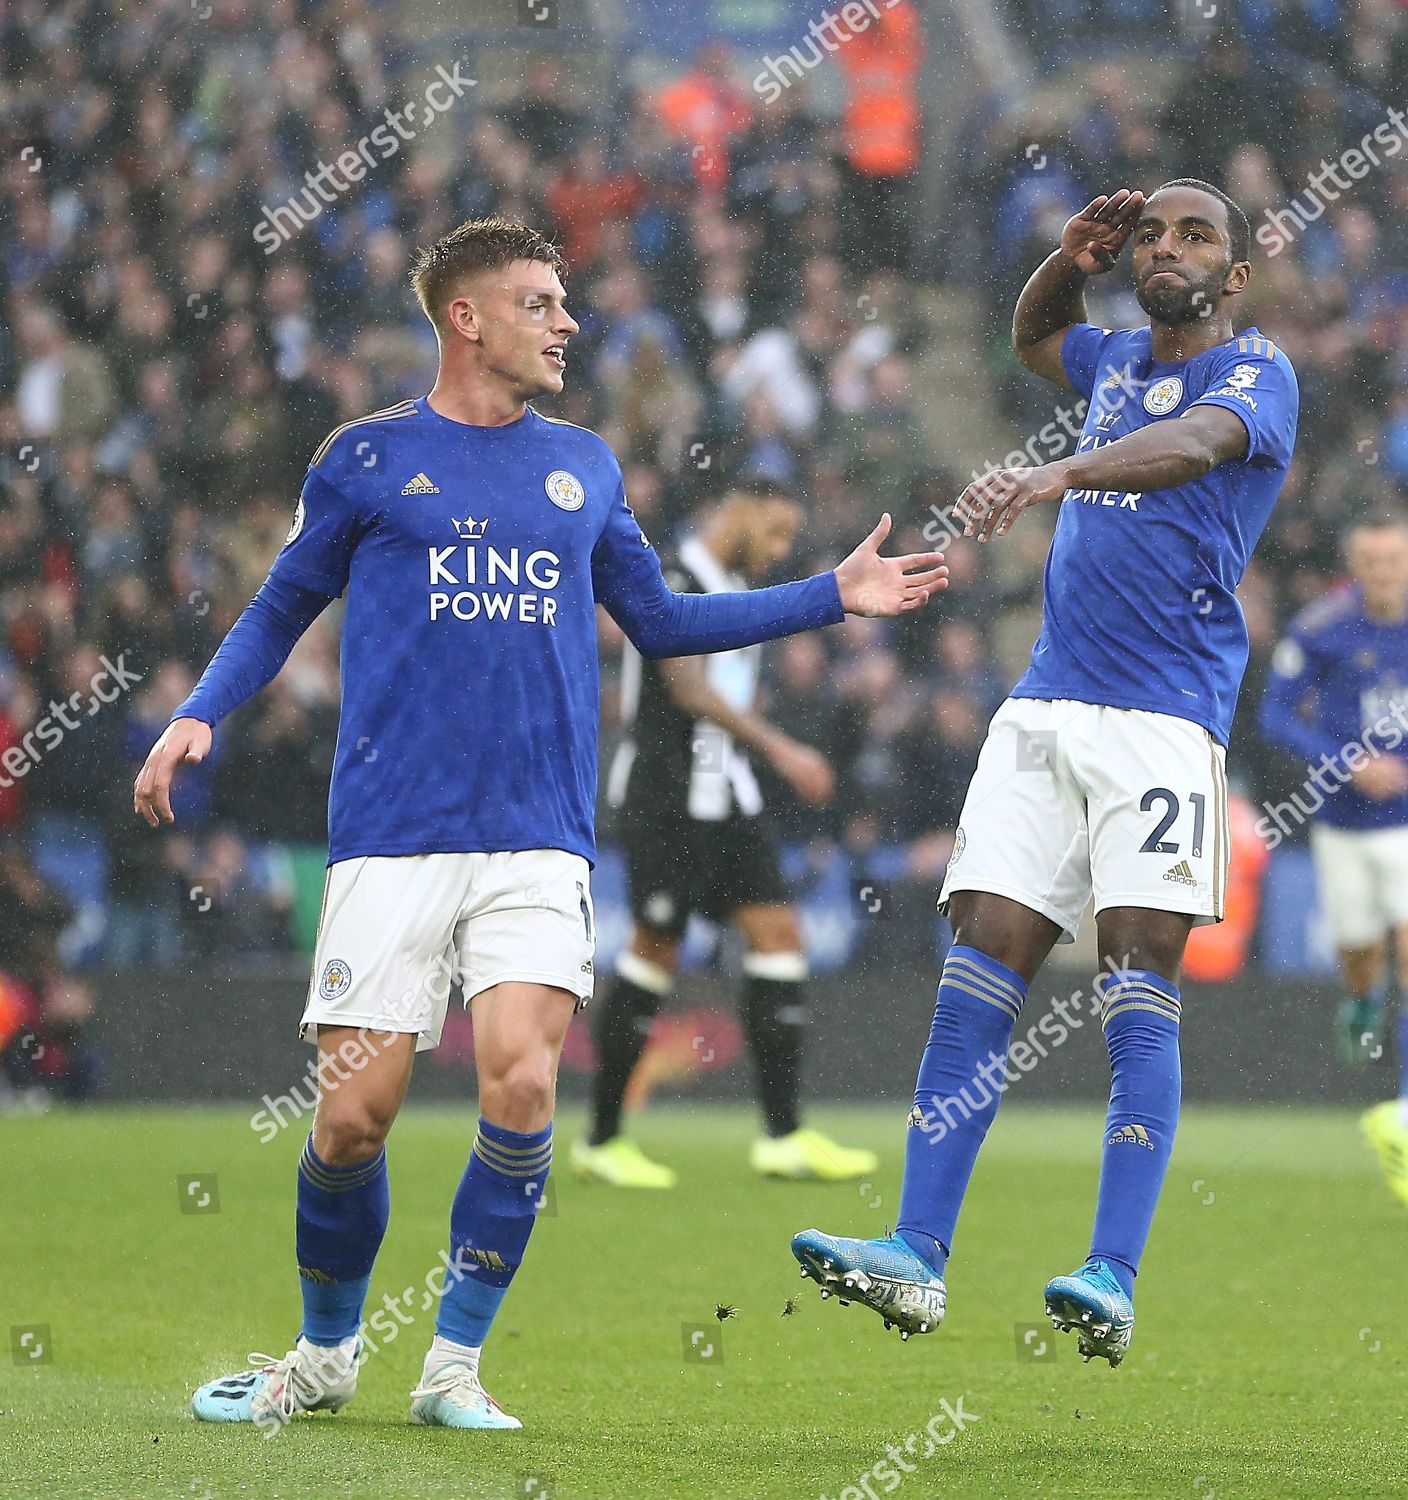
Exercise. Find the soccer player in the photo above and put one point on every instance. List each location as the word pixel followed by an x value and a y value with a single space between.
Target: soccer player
pixel 1103 773
pixel 1338 695
pixel 696 839
pixel 474 539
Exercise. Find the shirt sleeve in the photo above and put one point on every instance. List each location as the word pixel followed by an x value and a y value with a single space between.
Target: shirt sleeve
pixel 317 553
pixel 257 645
pixel 628 580
pixel 1255 379
pixel 1080 354
pixel 1294 676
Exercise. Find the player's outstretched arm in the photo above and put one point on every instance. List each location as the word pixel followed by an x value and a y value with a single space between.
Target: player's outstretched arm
pixel 1053 300
pixel 629 582
pixel 249 657
pixel 1161 456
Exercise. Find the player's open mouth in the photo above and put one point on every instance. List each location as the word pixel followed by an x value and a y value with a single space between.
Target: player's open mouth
pixel 557 353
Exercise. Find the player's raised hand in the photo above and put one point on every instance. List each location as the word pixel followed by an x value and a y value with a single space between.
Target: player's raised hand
pixel 184 742
pixel 990 505
pixel 874 585
pixel 1094 237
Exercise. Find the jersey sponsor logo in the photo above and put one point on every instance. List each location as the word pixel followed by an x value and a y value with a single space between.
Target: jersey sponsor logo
pixel 469 529
pixel 1163 395
pixel 422 484
pixel 1235 395
pixel 1244 377
pixel 1121 499
pixel 565 490
pixel 479 572
pixel 336 980
pixel 299 516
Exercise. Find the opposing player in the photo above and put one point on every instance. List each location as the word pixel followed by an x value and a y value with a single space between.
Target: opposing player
pixel 696 839
pixel 1103 773
pixel 1338 680
pixel 474 538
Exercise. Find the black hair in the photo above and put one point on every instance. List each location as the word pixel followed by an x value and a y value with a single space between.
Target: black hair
pixel 1239 232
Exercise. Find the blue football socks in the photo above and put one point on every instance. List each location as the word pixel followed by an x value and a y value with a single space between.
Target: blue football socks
pixel 1140 1012
pixel 961 1080
pixel 340 1221
pixel 490 1220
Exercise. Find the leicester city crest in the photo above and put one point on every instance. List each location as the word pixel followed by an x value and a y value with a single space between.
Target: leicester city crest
pixel 336 979
pixel 565 490
pixel 1163 396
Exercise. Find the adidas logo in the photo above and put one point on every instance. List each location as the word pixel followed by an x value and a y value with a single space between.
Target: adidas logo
pixel 1131 1135
pixel 1181 874
pixel 916 1117
pixel 420 485
pixel 469 530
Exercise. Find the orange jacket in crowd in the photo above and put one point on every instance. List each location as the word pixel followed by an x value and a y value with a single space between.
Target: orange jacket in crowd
pixel 1220 952
pixel 880 123
pixel 704 110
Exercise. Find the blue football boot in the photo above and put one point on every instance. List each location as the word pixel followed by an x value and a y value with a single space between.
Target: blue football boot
pixel 884 1275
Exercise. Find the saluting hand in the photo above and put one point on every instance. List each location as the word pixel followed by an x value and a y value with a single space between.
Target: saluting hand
pixel 1094 237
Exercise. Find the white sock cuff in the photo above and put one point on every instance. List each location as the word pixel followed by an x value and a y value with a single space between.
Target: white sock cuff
pixel 440 1345
pixel 642 972
pixel 789 967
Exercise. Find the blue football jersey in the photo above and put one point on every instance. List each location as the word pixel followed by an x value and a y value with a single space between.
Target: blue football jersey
pixel 473 559
pixel 1140 609
pixel 1340 678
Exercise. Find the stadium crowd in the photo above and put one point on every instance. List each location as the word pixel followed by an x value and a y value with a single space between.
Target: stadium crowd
pixel 750 302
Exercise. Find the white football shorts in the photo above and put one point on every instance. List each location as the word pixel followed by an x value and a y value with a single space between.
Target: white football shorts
pixel 396 931
pixel 1071 800
pixel 1362 874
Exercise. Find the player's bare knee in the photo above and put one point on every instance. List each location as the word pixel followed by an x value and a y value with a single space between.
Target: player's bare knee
pixel 1135 938
pixel 520 1096
pixel 1011 933
pixel 346 1131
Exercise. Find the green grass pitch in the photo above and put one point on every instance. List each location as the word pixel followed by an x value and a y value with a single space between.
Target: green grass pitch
pixel 1269 1357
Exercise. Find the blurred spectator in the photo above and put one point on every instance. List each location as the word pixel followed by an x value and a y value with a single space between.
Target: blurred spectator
pixel 751 285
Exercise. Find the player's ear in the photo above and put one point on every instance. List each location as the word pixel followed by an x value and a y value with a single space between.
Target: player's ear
pixel 464 320
pixel 1238 275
